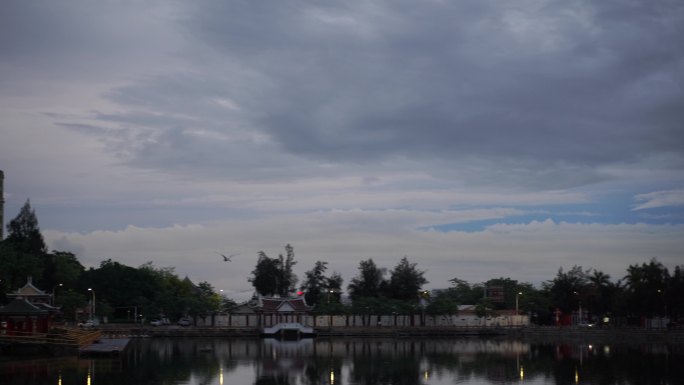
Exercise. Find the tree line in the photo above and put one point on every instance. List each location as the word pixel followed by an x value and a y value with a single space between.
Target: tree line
pixel 123 293
pixel 647 290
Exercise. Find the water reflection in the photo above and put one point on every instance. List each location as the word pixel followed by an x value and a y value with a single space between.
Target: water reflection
pixel 359 361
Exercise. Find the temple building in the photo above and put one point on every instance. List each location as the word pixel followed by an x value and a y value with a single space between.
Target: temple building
pixel 29 311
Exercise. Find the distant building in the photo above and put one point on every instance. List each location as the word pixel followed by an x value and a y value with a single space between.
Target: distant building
pixel 262 312
pixel 274 310
pixel 29 312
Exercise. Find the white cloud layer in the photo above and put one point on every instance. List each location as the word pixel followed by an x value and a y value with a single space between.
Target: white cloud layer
pixel 531 252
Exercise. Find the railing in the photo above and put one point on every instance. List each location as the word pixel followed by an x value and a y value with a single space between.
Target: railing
pixel 62 336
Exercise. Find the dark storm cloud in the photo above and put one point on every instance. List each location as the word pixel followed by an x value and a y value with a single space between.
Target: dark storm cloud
pixel 72 37
pixel 540 94
pixel 572 82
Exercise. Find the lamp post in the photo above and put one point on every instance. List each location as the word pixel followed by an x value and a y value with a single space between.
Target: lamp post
pixel 516 302
pixel 579 301
pixel 662 305
pixel 53 292
pixel 92 312
pixel 424 295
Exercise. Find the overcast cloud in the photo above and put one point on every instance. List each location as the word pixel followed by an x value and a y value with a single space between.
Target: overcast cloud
pixel 479 138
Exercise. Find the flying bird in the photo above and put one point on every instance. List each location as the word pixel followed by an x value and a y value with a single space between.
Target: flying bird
pixel 228 258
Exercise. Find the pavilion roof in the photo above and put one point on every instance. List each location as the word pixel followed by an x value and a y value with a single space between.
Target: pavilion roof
pixel 21 306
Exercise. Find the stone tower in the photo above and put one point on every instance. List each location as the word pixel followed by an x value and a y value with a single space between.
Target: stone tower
pixel 2 206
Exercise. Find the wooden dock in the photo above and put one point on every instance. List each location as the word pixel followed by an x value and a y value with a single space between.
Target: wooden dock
pixel 58 341
pixel 105 346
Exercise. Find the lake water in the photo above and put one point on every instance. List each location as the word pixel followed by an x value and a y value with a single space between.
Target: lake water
pixel 359 361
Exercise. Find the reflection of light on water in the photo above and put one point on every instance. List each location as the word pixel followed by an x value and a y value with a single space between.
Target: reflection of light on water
pixel 426 375
pixel 522 373
pixel 59 378
pixel 88 380
pixel 221 376
pixel 576 376
pixel 606 350
pixel 332 377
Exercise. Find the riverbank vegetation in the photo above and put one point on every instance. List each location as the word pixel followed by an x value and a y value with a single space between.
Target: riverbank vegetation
pixel 127 293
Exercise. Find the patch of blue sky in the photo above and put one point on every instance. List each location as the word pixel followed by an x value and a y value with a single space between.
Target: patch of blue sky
pixel 616 210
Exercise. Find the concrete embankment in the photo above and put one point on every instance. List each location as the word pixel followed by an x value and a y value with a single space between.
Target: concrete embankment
pixel 526 333
pixel 112 331
pixel 638 335
pixel 410 332
pixel 173 331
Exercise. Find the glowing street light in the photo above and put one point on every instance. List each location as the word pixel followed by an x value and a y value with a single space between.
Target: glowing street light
pixel 53 292
pixel 516 302
pixel 579 307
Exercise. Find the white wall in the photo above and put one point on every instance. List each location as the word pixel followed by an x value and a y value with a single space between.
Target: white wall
pixel 340 321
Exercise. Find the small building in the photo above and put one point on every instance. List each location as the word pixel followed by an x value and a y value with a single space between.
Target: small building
pixel 29 312
pixel 261 312
pixel 274 310
pixel 20 317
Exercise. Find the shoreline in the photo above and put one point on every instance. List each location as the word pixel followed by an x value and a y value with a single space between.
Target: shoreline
pixel 524 333
pixel 539 335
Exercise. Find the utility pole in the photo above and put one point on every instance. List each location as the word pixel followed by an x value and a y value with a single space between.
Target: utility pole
pixel 2 205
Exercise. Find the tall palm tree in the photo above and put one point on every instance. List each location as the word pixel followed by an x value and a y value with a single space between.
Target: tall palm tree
pixel 647 284
pixel 600 298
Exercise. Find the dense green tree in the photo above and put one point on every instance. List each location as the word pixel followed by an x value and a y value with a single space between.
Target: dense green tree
pixel 287 280
pixel 169 301
pixel 442 303
pixel 464 293
pixel 62 268
pixel 227 304
pixel 274 275
pixel 599 293
pixel 334 287
pixel 24 233
pixel 265 275
pixel 70 301
pixel 16 265
pixel 118 283
pixel 406 281
pixel 369 281
pixel 485 308
pixel 567 289
pixel 512 290
pixel 320 289
pixel 207 300
pixel 674 294
pixel 22 252
pixel 315 283
pixel 149 291
pixel 647 284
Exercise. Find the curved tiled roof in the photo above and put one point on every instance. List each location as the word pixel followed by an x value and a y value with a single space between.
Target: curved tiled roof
pixel 271 304
pixel 22 307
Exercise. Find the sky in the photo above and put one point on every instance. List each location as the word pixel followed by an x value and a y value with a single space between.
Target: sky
pixel 479 138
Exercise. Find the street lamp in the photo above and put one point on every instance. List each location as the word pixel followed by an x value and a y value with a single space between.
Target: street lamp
pixel 424 295
pixel 516 302
pixel 92 312
pixel 53 292
pixel 579 307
